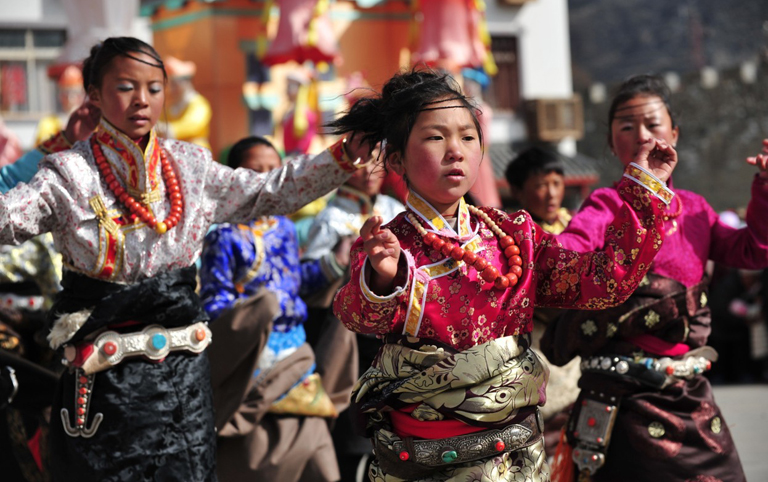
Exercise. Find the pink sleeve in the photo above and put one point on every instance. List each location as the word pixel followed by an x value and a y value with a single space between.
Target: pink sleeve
pixel 363 311
pixel 586 231
pixel 600 279
pixel 747 247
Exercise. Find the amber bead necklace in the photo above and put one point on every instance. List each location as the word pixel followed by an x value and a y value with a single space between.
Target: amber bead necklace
pixel 138 211
pixel 486 271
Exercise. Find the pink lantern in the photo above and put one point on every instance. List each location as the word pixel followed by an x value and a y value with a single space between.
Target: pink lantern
pixel 303 33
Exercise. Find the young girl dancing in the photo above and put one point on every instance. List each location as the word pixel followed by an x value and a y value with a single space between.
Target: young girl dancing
pixel 129 212
pixel 450 288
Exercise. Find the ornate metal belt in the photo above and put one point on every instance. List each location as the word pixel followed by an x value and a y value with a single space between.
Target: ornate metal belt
pixel 154 342
pixel 656 372
pixel 110 348
pixel 465 448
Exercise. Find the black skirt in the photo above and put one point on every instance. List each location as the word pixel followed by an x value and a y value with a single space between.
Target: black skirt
pixel 158 424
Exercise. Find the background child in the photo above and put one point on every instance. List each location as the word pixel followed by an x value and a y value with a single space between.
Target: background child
pixel 325 266
pixel 536 178
pixel 450 288
pixel 282 396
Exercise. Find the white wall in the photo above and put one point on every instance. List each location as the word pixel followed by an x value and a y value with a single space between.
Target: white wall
pixel 32 12
pixel 544 47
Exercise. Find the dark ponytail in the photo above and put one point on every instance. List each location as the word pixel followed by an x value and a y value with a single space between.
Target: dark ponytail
pixel 102 54
pixel 392 114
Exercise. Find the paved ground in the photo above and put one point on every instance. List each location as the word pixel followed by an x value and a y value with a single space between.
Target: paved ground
pixel 745 408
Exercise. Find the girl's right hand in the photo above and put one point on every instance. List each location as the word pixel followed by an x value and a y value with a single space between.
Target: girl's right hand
pixel 383 250
pixel 658 157
pixel 356 148
pixel 761 160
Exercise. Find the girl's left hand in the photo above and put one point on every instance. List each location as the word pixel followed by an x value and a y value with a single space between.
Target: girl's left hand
pixel 761 160
pixel 658 157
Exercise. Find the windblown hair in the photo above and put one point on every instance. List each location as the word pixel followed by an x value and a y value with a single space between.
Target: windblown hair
pixel 391 115
pixel 237 154
pixel 642 85
pixel 95 66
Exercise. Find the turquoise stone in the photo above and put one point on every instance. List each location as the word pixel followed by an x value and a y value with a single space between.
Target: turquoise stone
pixel 449 456
pixel 158 341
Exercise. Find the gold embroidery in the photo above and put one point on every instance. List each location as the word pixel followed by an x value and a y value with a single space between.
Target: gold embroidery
pixel 716 425
pixel 589 327
pixel 145 198
pixel 656 429
pixel 651 319
pixel 101 212
pixel 703 300
pixel 611 330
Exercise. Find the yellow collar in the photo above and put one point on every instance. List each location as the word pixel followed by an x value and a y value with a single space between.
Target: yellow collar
pixel 137 169
pixel 434 221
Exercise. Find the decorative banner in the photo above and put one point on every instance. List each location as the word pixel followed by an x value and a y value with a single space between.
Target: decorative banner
pixel 452 35
pixel 304 33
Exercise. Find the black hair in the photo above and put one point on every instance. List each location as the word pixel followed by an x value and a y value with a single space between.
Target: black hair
pixel 392 114
pixel 534 160
pixel 102 54
pixel 237 153
pixel 642 85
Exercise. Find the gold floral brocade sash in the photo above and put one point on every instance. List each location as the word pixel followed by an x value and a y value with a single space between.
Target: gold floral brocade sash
pixel 485 385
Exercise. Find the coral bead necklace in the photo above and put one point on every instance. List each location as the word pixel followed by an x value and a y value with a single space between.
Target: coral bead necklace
pixel 486 271
pixel 138 211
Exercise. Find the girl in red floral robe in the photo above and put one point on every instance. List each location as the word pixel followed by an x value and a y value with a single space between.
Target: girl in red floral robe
pixel 450 288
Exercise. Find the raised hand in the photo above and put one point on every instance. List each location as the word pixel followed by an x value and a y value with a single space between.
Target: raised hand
pixel 82 122
pixel 761 160
pixel 658 157
pixel 383 250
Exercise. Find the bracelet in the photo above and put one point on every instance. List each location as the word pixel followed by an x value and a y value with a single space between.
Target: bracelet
pixel 646 179
pixel 345 154
pixel 14 382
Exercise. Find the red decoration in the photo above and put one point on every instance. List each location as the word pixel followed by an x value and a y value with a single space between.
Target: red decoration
pixel 484 269
pixel 137 210
pixel 404 455
pixel 110 348
pixel 500 446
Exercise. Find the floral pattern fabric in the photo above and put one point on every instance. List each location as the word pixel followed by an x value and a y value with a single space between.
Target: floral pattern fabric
pixel 239 260
pixel 441 299
pixel 59 199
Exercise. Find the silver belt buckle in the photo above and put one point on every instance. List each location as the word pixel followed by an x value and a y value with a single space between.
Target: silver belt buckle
pixel 154 342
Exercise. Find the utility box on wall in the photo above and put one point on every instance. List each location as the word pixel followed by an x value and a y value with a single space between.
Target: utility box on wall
pixel 552 120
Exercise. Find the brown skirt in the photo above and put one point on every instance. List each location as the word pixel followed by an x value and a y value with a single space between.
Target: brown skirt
pixel 674 435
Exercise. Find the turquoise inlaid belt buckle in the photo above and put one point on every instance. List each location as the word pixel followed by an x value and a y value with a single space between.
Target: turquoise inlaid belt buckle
pixel 466 448
pixel 154 342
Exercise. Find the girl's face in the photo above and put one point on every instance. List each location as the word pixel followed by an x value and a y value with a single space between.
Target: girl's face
pixel 637 120
pixel 131 95
pixel 542 195
pixel 442 155
pixel 368 179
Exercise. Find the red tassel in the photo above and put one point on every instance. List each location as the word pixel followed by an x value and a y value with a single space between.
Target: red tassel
pixel 563 468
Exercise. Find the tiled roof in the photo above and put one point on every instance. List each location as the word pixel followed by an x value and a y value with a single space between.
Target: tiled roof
pixel 579 169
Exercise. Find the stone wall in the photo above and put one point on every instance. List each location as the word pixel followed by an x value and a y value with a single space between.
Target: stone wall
pixel 723 117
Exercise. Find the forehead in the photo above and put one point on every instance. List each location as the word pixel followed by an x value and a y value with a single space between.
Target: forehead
pixel 442 113
pixel 543 177
pixel 262 152
pixel 640 106
pixel 122 66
